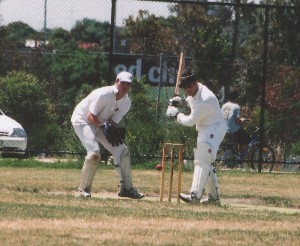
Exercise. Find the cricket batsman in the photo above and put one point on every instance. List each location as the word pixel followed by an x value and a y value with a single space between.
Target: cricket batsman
pixel 206 114
pixel 95 120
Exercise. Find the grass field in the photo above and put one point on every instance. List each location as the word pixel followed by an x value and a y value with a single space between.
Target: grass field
pixel 38 206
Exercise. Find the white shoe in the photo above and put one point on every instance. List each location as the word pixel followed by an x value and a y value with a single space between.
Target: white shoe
pixel 85 193
pixel 189 198
pixel 210 200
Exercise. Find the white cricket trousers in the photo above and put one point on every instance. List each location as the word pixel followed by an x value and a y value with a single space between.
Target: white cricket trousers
pixel 213 135
pixel 90 136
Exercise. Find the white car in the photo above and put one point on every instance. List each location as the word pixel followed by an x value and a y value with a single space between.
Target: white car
pixel 13 138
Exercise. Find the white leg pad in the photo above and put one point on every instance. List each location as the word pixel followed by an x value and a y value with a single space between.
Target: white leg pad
pixel 126 169
pixel 119 172
pixel 202 161
pixel 89 170
pixel 212 186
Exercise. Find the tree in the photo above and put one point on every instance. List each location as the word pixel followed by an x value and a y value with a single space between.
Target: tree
pixel 283 107
pixel 149 35
pixel 76 67
pixel 60 38
pixel 191 29
pixel 18 32
pixel 24 97
pixel 203 37
pixel 282 85
pixel 284 34
pixel 67 71
pixel 2 47
pixel 92 31
pixel 140 123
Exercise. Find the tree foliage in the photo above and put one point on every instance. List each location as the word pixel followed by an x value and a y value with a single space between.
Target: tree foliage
pixel 206 38
pixel 141 124
pixel 18 32
pixel 283 106
pixel 92 31
pixel 23 95
pixel 149 34
pixel 283 76
pixel 70 70
pixel 60 38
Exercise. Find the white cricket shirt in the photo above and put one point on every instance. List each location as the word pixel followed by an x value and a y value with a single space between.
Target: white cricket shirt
pixel 103 104
pixel 205 109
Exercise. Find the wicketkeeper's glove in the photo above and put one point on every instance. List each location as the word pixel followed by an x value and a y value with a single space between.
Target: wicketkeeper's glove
pixel 121 135
pixel 110 132
pixel 172 112
pixel 114 134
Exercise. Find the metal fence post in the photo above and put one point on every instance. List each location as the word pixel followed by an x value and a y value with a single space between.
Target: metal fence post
pixel 263 88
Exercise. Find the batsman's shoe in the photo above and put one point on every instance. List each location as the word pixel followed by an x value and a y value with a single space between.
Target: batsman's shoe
pixel 85 193
pixel 132 193
pixel 189 198
pixel 210 200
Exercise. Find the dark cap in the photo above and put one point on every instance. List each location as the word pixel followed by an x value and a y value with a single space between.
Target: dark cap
pixel 187 79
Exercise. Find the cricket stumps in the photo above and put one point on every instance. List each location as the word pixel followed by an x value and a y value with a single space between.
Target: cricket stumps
pixel 171 147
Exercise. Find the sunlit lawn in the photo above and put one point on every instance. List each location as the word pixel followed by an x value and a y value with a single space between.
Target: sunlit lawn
pixel 38 207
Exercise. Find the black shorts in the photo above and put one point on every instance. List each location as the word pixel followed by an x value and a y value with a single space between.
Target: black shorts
pixel 241 136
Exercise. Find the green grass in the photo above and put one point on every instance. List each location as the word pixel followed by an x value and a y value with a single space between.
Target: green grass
pixel 33 163
pixel 38 207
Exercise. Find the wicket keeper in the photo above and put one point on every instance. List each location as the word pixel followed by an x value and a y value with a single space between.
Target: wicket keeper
pixel 95 120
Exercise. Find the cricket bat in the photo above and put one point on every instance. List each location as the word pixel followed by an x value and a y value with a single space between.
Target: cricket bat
pixel 179 73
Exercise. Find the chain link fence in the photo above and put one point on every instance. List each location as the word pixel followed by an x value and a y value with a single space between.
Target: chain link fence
pixel 53 53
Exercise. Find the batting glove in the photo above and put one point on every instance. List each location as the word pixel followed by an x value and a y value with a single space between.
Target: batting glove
pixel 172 112
pixel 176 101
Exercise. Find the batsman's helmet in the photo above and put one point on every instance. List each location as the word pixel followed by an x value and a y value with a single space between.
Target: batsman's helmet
pixel 187 79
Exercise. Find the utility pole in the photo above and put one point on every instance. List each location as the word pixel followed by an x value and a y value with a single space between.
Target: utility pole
pixel 45 20
pixel 112 32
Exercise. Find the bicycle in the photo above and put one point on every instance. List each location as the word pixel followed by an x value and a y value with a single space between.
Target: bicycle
pixel 229 157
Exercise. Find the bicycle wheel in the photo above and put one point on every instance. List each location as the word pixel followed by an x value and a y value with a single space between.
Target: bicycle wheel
pixel 268 159
pixel 225 157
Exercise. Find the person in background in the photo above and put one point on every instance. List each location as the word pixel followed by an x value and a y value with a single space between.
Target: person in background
pixel 232 114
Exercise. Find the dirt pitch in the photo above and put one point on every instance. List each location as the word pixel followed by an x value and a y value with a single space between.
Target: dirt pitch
pixel 238 203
